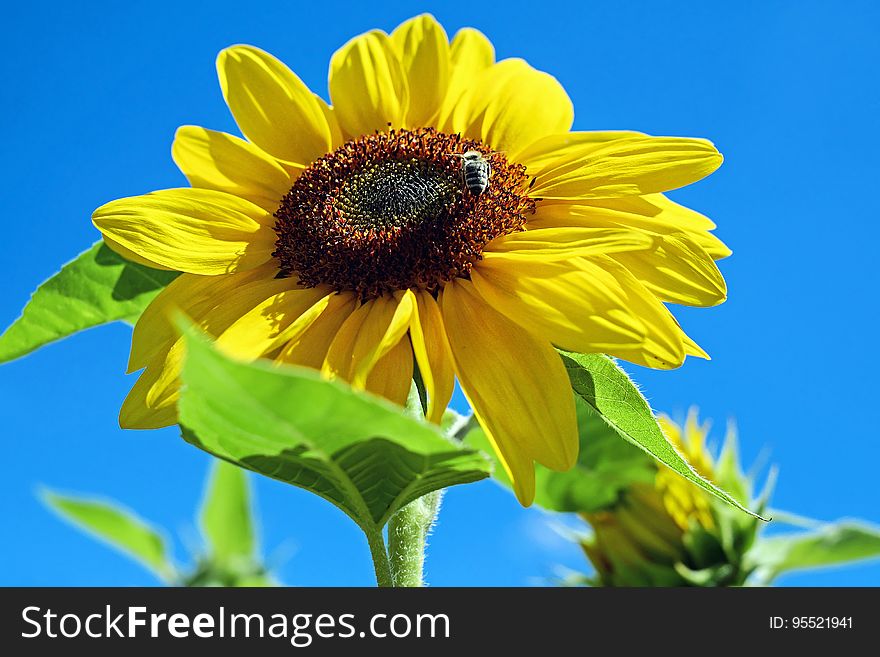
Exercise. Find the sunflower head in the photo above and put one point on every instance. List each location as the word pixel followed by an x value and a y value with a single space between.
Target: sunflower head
pixel 683 501
pixel 353 237
pixel 671 533
pixel 391 211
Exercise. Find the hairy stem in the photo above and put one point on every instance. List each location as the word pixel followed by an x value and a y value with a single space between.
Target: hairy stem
pixel 408 531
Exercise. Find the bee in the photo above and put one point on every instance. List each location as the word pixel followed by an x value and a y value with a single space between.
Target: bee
pixel 475 171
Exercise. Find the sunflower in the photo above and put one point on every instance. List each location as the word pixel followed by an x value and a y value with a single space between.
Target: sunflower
pixel 344 238
pixel 667 532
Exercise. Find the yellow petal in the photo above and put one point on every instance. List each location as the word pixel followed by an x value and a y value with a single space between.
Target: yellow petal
pixel 391 377
pixel 336 137
pixel 626 166
pixel 369 333
pixel 470 109
pixel 650 206
pixel 130 255
pixel 272 106
pixel 575 304
pixel 309 344
pixel 470 53
pixel 663 345
pixel 653 212
pixel 339 359
pixel 511 105
pixel 215 321
pixel 691 221
pixel 189 294
pixel 250 339
pixel 165 391
pixel 543 152
pixel 691 348
pixel 154 330
pixel 516 385
pixel 431 349
pixel 136 413
pixel 677 214
pixel 422 47
pixel 567 242
pixel 385 326
pixel 677 270
pixel 270 324
pixel 236 308
pixel 632 212
pixel 531 105
pixel 368 85
pixel 149 401
pixel 713 245
pixel 216 160
pixel 200 231
pixel 585 304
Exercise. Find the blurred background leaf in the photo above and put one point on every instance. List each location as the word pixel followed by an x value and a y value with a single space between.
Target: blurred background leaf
pixel 828 545
pixel 118 527
pixel 226 519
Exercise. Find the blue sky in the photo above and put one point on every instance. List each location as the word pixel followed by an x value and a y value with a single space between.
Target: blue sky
pixel 787 90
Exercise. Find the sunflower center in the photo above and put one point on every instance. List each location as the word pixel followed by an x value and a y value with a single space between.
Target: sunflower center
pixel 392 211
pixel 396 193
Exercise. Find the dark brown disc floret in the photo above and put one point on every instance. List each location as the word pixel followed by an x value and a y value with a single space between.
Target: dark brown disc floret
pixel 391 211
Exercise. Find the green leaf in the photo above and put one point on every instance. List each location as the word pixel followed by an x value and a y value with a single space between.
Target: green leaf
pixel 226 514
pixel 787 518
pixel 832 544
pixel 117 527
pixel 606 466
pixel 608 390
pixel 353 449
pixel 95 288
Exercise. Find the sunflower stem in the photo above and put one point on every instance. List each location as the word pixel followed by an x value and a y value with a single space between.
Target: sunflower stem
pixel 408 531
pixel 380 558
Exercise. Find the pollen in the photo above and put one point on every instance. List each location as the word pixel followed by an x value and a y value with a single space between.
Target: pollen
pixel 390 211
